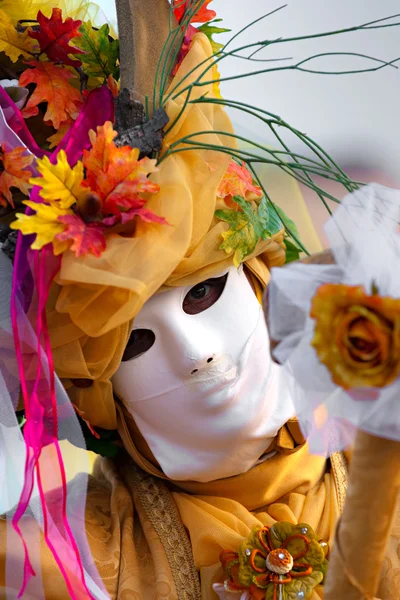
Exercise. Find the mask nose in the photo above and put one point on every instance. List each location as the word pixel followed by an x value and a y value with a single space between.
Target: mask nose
pixel 202 364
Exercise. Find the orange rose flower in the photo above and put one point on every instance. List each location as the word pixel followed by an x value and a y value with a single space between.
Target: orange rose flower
pixel 357 336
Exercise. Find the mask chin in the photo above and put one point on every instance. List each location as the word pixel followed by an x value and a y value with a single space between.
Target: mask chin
pixel 204 394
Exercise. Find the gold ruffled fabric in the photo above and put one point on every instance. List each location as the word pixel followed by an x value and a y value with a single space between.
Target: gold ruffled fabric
pixel 95 299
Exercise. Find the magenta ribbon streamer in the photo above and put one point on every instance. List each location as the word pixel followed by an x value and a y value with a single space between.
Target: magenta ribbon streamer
pixel 18 125
pixel 33 275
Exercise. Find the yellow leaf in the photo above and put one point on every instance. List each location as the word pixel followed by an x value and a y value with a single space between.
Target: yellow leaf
pixel 60 183
pixel 12 43
pixel 44 223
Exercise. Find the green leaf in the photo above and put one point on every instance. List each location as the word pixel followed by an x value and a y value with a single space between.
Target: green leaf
pixel 209 29
pixel 289 224
pixel 293 252
pixel 102 52
pixel 303 584
pixel 241 237
pixel 247 227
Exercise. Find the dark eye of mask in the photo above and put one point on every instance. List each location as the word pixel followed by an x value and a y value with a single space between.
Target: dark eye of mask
pixel 139 342
pixel 203 295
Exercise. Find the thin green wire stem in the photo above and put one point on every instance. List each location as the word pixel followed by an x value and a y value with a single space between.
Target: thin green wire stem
pixel 262 60
pixel 307 174
pixel 277 120
pixel 298 67
pixel 190 12
pixel 272 205
pixel 249 25
pixel 169 44
pixel 189 137
pixel 244 157
pixel 218 56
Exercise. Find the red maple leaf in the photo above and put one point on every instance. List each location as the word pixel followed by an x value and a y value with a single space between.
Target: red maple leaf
pixel 86 238
pixel 186 43
pixel 203 15
pixel 55 35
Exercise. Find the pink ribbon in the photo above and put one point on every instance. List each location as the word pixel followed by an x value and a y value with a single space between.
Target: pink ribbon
pixel 34 272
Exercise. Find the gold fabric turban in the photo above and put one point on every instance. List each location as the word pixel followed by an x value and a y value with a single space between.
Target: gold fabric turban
pixel 95 300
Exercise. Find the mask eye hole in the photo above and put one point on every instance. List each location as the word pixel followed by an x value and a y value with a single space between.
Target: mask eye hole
pixel 203 295
pixel 140 341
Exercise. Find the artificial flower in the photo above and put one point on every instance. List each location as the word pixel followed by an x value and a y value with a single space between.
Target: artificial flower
pixel 284 560
pixel 81 202
pixel 357 336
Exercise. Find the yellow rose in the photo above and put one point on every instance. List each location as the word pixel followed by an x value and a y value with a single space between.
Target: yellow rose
pixel 357 336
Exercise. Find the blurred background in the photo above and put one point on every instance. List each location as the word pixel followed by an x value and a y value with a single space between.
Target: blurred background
pixel 356 117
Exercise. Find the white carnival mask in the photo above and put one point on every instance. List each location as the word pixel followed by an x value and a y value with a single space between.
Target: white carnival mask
pixel 198 379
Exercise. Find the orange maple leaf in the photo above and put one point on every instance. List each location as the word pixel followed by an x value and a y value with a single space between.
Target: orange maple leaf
pixel 237 181
pixel 85 237
pixel 113 85
pixel 14 173
pixel 52 86
pixel 116 174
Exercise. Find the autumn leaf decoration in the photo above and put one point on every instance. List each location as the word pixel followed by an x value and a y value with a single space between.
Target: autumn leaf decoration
pixel 208 25
pixel 203 15
pixel 64 60
pixel 13 43
pixel 101 194
pixel 250 217
pixel 54 86
pixel 54 37
pixel 14 173
pixel 100 53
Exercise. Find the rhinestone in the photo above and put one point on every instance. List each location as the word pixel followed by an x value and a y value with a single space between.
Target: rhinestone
pixel 304 531
pixel 300 595
pixel 226 586
pixel 281 556
pixel 248 552
pixel 325 547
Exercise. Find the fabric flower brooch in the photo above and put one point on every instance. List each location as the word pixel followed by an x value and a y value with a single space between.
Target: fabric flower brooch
pixel 282 562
